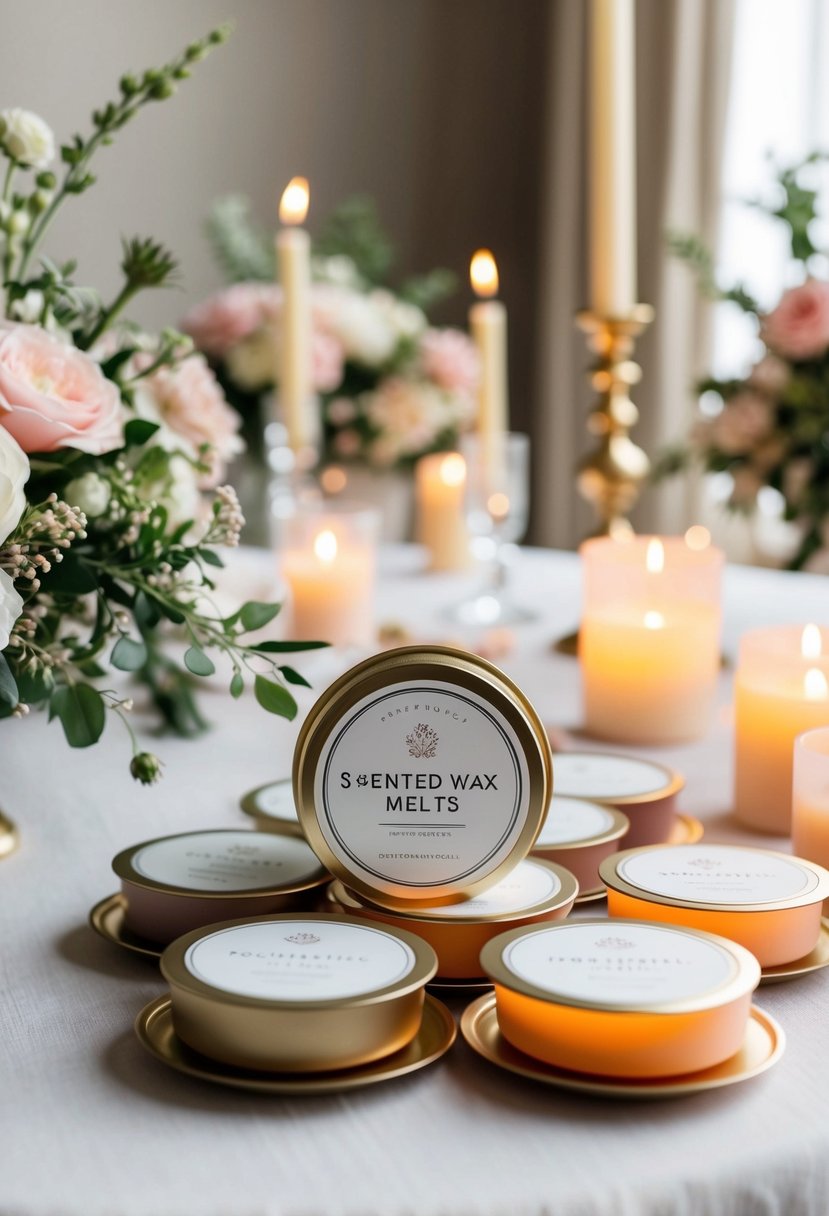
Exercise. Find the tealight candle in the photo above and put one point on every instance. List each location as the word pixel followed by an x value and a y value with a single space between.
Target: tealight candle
pixel 810 796
pixel 440 480
pixel 293 253
pixel 328 559
pixel 649 638
pixel 781 690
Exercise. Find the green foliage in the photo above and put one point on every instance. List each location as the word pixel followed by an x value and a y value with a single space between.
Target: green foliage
pixel 80 708
pixel 242 249
pixel 354 231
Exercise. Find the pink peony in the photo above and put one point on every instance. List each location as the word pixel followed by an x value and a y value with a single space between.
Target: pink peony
pixel 745 420
pixel 798 328
pixel 224 319
pixel 327 358
pixel 451 359
pixel 191 403
pixel 55 396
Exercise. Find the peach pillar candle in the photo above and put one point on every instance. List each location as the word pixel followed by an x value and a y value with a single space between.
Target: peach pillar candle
pixel 810 796
pixel 781 689
pixel 649 642
pixel 440 482
pixel 328 560
pixel 293 252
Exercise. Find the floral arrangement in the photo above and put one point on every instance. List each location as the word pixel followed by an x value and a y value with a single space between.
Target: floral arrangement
pixel 392 387
pixel 113 444
pixel 771 426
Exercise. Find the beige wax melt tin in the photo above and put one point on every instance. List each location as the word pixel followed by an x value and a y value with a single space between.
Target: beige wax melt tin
pixel 771 903
pixel 621 998
pixel 422 777
pixel 272 808
pixel 579 835
pixel 177 883
pixel 646 792
pixel 534 891
pixel 297 993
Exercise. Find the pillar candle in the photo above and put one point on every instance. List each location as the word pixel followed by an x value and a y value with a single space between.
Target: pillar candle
pixel 810 796
pixel 293 252
pixel 612 157
pixel 440 482
pixel 780 690
pixel 649 638
pixel 488 324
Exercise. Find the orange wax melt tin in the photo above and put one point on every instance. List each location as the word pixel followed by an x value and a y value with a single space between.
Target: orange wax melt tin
pixel 622 998
pixel 178 883
pixel 644 791
pixel 771 903
pixel 579 835
pixel 534 891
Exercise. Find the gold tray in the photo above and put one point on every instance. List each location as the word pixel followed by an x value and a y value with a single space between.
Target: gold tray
pixel 590 897
pixel 817 958
pixel 687 830
pixel 107 919
pixel 154 1028
pixel 762 1047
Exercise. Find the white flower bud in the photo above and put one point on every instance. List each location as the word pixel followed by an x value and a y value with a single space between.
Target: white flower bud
pixel 90 493
pixel 27 138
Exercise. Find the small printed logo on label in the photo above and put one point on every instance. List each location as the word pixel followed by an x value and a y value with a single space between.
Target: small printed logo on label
pixel 705 863
pixel 614 943
pixel 422 742
pixel 303 939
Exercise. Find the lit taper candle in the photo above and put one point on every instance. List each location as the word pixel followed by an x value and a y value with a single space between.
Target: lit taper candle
pixel 488 323
pixel 293 253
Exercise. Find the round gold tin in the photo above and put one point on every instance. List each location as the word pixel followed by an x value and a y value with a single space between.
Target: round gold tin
pixel 272 808
pixel 177 883
pixel 534 891
pixel 579 834
pixel 621 998
pixel 644 790
pixel 769 902
pixel 422 776
pixel 297 993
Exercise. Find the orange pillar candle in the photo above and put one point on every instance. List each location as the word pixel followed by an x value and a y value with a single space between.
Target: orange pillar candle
pixel 810 796
pixel 781 690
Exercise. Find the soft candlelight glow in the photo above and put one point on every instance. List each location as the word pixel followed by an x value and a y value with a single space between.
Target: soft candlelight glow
pixel 655 557
pixel 325 546
pixel 810 796
pixel 452 470
pixel 483 274
pixel 654 620
pixel 697 538
pixel 498 507
pixel 815 686
pixel 293 206
pixel 440 524
pixel 810 644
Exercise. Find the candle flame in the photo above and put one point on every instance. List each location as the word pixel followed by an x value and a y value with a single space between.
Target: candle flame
pixel 697 538
pixel 293 206
pixel 655 557
pixel 325 546
pixel 654 620
pixel 453 469
pixel 483 274
pixel 498 506
pixel 815 685
pixel 810 642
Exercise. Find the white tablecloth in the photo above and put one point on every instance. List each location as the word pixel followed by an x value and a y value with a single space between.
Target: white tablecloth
pixel 92 1126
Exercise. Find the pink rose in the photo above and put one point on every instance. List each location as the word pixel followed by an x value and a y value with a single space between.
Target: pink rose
pixel 54 396
pixel 191 403
pixel 224 319
pixel 798 328
pixel 450 358
pixel 745 419
pixel 327 358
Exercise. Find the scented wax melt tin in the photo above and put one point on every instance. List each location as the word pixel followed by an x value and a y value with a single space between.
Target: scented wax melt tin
pixel 579 835
pixel 644 791
pixel 272 808
pixel 769 902
pixel 177 883
pixel 297 993
pixel 621 998
pixel 535 891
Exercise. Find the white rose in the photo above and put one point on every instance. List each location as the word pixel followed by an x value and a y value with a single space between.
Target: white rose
pixel 362 328
pixel 10 608
pixel 90 494
pixel 14 473
pixel 407 320
pixel 26 138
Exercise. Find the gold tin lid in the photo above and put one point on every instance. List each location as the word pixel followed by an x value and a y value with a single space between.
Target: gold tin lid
pixel 273 802
pixel 422 776
pixel 534 887
pixel 614 778
pixel 716 877
pixel 221 864
pixel 573 823
pixel 621 966
pixel 299 960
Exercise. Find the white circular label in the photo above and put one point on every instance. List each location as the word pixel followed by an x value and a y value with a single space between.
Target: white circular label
pixel 227 861
pixel 717 874
pixel 595 775
pixel 277 801
pixel 299 960
pixel 422 786
pixel 573 819
pixel 620 964
pixel 528 885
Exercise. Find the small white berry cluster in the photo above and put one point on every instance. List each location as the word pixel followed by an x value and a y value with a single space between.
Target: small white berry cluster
pixel 228 519
pixel 46 532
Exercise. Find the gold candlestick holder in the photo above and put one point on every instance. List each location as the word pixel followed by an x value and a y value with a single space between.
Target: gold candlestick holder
pixel 610 478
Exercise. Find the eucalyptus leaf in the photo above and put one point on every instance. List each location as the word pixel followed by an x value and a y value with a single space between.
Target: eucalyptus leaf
pixel 274 698
pixel 287 647
pixel 80 708
pixel 128 654
pixel 294 677
pixel 198 662
pixel 255 615
pixel 237 685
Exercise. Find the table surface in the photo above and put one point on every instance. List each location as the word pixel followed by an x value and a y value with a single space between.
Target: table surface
pixel 90 1125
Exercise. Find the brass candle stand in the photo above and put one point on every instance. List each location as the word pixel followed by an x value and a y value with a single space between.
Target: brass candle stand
pixel 610 478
